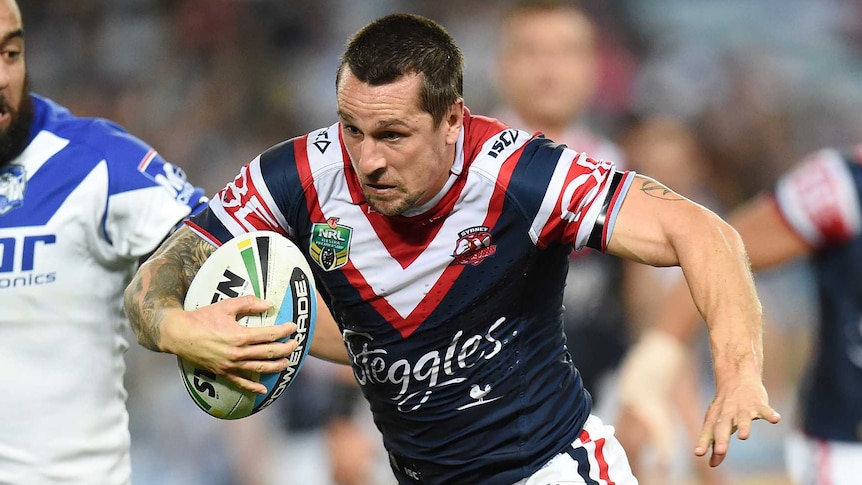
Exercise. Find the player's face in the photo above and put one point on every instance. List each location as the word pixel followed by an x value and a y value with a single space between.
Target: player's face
pixel 547 66
pixel 15 105
pixel 401 158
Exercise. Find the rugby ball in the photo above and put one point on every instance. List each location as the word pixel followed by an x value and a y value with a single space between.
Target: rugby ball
pixel 269 266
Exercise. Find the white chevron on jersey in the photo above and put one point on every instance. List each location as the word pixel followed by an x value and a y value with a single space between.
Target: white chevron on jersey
pixel 819 199
pixel 44 146
pixel 383 273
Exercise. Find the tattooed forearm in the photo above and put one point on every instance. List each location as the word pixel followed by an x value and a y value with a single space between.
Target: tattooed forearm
pixel 161 284
pixel 190 251
pixel 659 191
pixel 146 328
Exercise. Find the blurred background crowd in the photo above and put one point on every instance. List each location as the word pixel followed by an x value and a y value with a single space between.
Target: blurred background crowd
pixel 743 87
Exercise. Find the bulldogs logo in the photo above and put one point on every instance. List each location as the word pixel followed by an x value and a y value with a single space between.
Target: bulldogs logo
pixel 13 182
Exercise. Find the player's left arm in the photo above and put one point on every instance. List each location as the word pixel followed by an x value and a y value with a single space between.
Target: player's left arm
pixel 208 336
pixel 659 227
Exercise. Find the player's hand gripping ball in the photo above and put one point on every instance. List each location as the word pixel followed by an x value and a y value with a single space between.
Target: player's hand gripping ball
pixel 269 266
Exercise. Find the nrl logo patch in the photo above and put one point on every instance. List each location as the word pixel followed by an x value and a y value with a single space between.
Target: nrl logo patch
pixel 13 182
pixel 330 244
pixel 473 246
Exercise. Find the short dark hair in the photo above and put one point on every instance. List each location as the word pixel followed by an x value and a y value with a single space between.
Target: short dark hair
pixel 399 44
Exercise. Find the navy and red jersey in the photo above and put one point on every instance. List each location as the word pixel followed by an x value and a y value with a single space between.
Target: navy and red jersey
pixel 820 199
pixel 452 317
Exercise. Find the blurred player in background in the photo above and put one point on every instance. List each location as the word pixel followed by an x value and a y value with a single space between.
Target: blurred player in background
pixel 450 234
pixel 547 72
pixel 814 211
pixel 81 200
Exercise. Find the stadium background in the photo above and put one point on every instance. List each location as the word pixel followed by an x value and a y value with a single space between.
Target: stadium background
pixel 211 83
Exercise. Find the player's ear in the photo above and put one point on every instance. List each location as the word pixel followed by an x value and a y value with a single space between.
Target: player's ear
pixel 454 120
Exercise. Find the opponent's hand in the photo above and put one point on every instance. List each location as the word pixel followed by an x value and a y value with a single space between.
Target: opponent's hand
pixel 210 338
pixel 737 403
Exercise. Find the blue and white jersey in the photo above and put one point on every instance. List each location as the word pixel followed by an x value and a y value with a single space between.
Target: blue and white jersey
pixel 820 199
pixel 78 208
pixel 452 317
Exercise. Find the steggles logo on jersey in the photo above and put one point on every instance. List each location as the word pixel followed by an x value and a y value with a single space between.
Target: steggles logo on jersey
pixel 473 246
pixel 13 182
pixel 330 244
pixel 415 381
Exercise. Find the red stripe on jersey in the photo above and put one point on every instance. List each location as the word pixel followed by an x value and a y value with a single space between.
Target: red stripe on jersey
pixel 443 284
pixel 303 169
pixel 498 198
pixel 819 197
pixel 142 165
pixel 242 202
pixel 824 469
pixel 206 235
pixel 557 228
pixel 404 326
pixel 407 237
pixel 603 464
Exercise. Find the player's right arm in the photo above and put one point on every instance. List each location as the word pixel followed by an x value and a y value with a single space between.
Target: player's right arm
pixel 209 336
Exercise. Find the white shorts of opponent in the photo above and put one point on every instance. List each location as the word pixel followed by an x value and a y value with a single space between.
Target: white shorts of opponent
pixel 813 461
pixel 595 458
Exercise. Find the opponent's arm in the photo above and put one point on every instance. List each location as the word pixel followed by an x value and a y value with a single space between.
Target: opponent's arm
pixel 659 227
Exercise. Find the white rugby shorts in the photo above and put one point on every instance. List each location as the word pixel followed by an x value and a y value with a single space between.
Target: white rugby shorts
pixel 813 461
pixel 595 458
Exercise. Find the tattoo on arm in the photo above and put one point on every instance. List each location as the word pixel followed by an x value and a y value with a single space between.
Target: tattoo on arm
pixel 161 285
pixel 659 191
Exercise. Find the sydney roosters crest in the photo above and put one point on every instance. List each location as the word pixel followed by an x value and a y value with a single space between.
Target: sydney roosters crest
pixel 473 246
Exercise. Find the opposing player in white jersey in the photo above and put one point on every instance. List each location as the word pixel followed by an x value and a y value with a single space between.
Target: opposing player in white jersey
pixel 81 201
pixel 439 241
pixel 814 210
